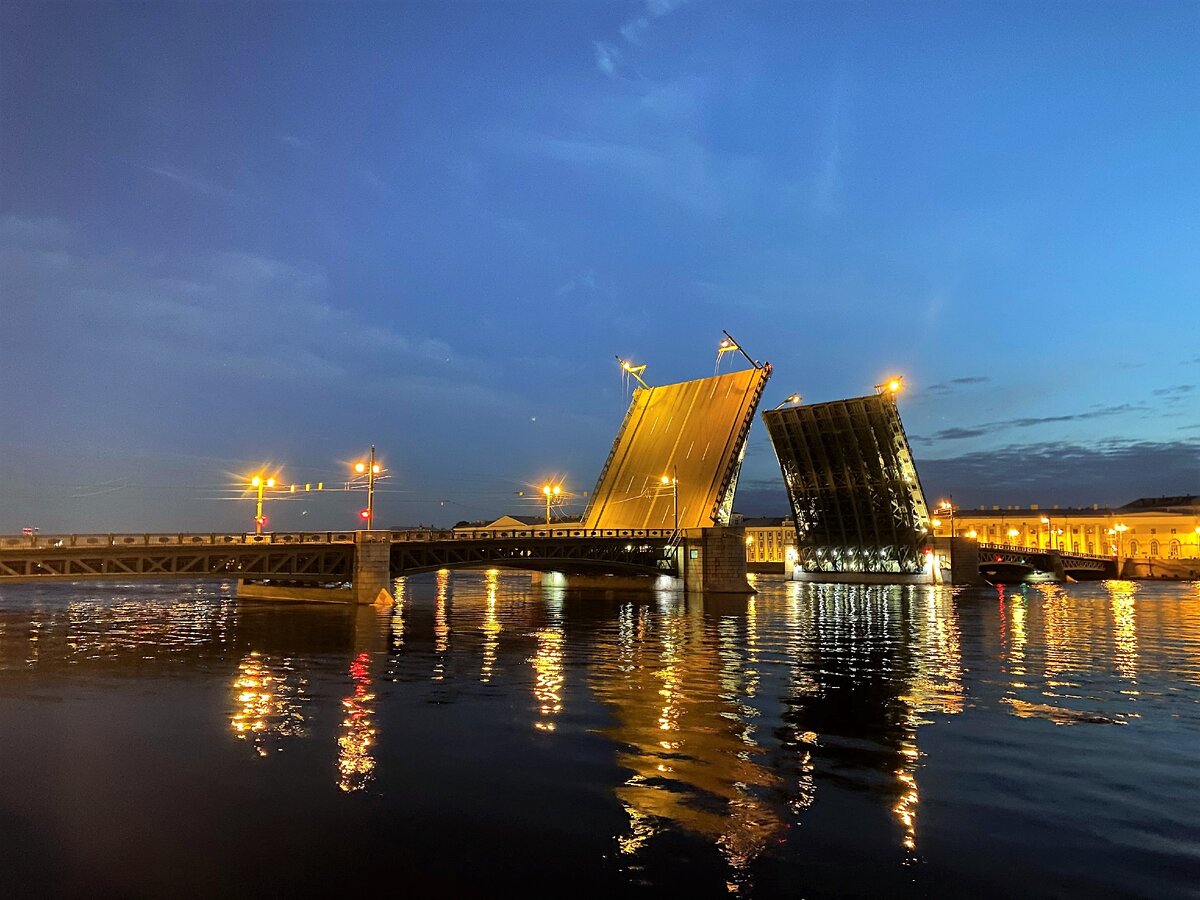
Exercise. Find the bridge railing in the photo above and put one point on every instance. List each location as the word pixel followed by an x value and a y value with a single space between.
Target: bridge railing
pixel 1016 548
pixel 83 541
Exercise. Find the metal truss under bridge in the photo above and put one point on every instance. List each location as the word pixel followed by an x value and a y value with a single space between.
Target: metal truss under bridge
pixel 321 558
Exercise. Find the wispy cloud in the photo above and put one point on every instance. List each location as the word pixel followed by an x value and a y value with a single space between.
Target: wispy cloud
pixel 242 314
pixel 633 31
pixel 607 57
pixel 974 431
pixel 296 143
pixel 190 180
pixel 946 387
pixel 1175 394
pixel 583 282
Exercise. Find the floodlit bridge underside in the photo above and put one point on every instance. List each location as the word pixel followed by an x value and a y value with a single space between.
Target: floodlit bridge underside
pixel 855 495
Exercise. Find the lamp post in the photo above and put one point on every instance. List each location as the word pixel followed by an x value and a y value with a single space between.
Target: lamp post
pixel 1120 528
pixel 946 507
pixel 369 470
pixel 260 483
pixel 673 481
pixel 551 491
pixel 1049 533
pixel 891 387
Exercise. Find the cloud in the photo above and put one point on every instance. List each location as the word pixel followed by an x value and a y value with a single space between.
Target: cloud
pixel 958 433
pixel 946 387
pixel 294 142
pixel 607 57
pixel 240 314
pixel 1176 393
pixel 1110 473
pixel 634 31
pixel 678 169
pixel 584 282
pixel 190 180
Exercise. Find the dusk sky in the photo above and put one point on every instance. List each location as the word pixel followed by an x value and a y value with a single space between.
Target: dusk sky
pixel 240 234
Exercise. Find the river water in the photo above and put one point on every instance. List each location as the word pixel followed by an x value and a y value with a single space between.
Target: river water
pixel 484 735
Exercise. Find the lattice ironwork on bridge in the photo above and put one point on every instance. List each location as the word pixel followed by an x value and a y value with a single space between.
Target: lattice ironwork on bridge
pixel 853 487
pixel 308 564
pixel 324 558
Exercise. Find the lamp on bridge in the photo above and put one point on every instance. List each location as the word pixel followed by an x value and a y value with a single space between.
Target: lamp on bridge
pixel 552 492
pixel 947 508
pixel 794 399
pixel 368 473
pixel 260 483
pixel 673 482
pixel 892 386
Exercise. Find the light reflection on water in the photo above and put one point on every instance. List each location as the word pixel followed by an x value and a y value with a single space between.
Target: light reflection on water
pixel 857 739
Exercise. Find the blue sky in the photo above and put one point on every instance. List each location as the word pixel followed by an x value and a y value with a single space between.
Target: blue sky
pixel 234 234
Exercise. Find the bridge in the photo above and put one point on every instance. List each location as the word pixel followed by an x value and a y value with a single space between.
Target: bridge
pixel 661 507
pixel 343 565
pixel 1007 563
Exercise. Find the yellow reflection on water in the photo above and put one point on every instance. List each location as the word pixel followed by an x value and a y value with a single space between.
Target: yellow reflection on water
pixel 1019 636
pixel 683 714
pixel 491 627
pixel 399 590
pixel 268 701
pixel 441 624
pixel 547 664
pixel 1124 627
pixel 357 734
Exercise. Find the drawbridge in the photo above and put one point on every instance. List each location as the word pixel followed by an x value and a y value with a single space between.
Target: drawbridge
pixel 676 458
pixel 853 486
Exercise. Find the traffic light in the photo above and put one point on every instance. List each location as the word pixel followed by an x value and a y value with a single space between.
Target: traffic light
pixel 364 514
pixel 260 521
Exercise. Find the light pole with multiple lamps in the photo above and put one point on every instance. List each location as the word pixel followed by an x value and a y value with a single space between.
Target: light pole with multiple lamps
pixel 369 471
pixel 260 483
pixel 551 492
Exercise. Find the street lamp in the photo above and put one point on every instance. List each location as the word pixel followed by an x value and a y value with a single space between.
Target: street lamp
pixel 260 483
pixel 892 386
pixel 794 399
pixel 1120 528
pixel 673 481
pixel 369 471
pixel 946 508
pixel 1012 533
pixel 552 491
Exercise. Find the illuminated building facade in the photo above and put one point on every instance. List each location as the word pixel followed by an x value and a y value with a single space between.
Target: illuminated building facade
pixel 856 500
pixel 1152 527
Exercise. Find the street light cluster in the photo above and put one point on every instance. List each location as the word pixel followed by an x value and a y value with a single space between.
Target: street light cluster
pixel 364 474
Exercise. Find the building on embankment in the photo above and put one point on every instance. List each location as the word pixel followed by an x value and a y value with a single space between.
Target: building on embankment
pixel 1150 528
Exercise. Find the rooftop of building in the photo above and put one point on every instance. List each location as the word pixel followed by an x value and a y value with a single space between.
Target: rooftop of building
pixel 1188 504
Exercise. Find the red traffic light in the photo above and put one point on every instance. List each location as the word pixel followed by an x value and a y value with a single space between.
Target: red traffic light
pixel 260 520
pixel 364 513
